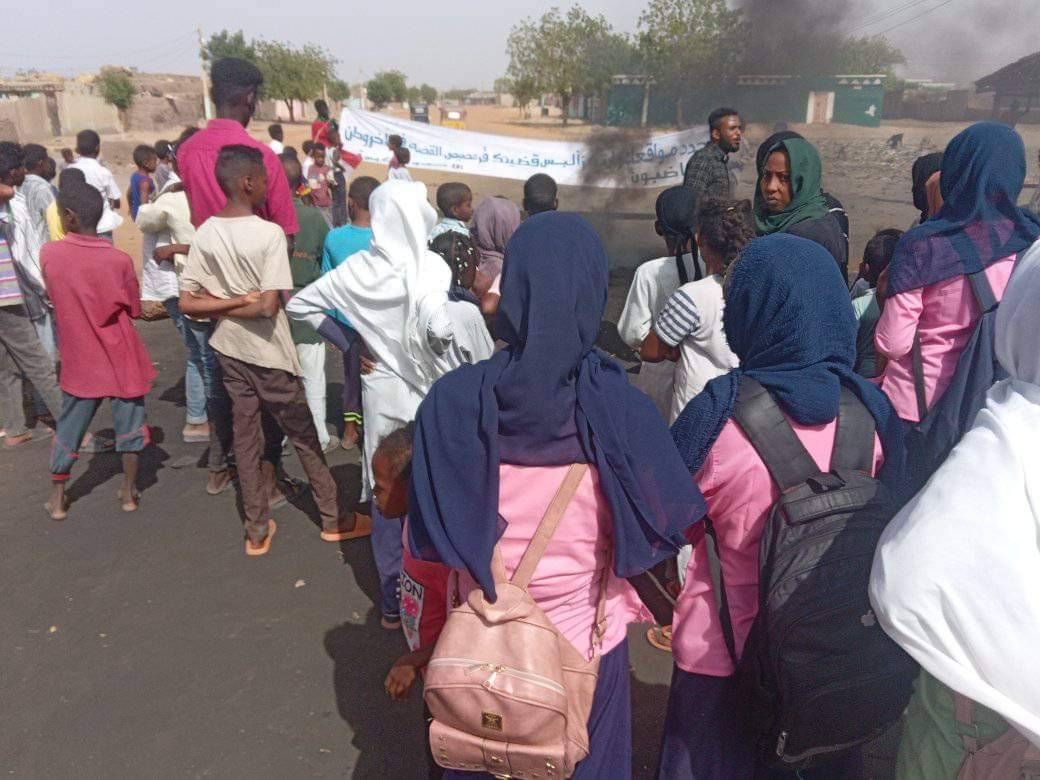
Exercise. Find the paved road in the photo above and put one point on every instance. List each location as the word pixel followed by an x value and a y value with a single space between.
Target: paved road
pixel 149 645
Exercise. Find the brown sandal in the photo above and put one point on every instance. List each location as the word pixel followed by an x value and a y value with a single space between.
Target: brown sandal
pixel 660 637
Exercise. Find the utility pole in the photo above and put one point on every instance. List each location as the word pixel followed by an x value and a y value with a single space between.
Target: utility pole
pixel 207 110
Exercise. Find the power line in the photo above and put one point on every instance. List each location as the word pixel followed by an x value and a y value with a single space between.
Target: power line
pixel 878 18
pixel 914 18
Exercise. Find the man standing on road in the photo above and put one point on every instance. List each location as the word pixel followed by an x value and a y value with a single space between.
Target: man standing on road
pixel 706 172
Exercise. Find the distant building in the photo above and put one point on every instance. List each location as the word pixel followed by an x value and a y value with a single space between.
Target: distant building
pixel 1016 89
pixel 854 99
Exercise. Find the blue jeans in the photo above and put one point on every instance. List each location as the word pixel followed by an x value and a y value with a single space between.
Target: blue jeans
pixel 388 552
pixel 198 374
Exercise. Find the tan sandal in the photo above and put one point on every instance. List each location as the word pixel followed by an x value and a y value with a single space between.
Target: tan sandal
pixel 264 547
pixel 660 637
pixel 362 528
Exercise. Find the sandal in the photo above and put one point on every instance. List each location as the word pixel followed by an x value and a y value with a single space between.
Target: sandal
pixel 136 499
pixel 660 637
pixel 362 528
pixel 61 514
pixel 265 545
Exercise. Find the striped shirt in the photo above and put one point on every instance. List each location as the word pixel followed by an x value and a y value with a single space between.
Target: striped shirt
pixel 10 292
pixel 678 319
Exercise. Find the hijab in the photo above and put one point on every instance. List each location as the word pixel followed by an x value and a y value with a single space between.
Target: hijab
pixel 494 222
pixel 548 399
pixel 677 217
pixel 983 169
pixel 807 201
pixel 924 169
pixel 789 322
pixel 957 571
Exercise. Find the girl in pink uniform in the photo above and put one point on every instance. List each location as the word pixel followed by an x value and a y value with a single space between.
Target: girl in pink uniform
pixel 978 229
pixel 494 440
pixel 789 322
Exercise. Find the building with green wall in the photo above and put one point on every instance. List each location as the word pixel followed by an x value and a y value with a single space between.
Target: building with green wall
pixel 842 99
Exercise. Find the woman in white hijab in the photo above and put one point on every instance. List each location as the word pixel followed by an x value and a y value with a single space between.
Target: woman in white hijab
pixel 395 295
pixel 956 578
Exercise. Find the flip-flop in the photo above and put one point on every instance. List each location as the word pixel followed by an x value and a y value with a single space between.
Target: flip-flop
pixel 224 488
pixel 265 545
pixel 137 501
pixel 64 510
pixel 195 438
pixel 362 528
pixel 660 637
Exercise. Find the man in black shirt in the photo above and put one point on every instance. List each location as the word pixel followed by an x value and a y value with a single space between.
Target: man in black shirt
pixel 706 172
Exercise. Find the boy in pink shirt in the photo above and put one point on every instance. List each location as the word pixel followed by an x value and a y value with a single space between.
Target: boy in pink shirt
pixel 320 179
pixel 96 296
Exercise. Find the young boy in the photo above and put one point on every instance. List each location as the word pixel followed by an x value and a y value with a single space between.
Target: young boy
pixel 142 187
pixel 277 142
pixel 88 149
pixel 305 267
pixel 96 297
pixel 320 179
pixel 876 256
pixel 455 200
pixel 308 161
pixel 340 244
pixel 53 214
pixel 67 158
pixel 164 151
pixel 237 269
pixel 424 586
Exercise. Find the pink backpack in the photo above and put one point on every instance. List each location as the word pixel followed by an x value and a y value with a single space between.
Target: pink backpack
pixel 508 693
pixel 1008 757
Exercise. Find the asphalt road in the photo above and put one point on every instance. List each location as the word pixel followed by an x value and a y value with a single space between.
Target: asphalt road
pixel 148 644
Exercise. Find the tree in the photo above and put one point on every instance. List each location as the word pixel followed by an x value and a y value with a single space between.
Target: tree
pixel 428 93
pixel 414 95
pixel 293 74
pixel 503 86
pixel 117 87
pixel 226 44
pixel 524 91
pixel 555 52
pixel 387 86
pixel 339 90
pixel 458 94
pixel 868 55
pixel 688 43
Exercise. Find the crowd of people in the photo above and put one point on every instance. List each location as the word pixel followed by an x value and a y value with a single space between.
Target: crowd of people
pixel 748 491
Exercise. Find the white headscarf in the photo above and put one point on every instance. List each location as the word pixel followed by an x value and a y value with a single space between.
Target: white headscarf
pixel 956 578
pixel 381 290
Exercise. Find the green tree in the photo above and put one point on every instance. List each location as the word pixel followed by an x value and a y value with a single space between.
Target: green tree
pixel 413 94
pixel 387 86
pixel 339 90
pixel 556 51
pixel 117 87
pixel 503 85
pixel 524 91
pixel 227 44
pixel 688 43
pixel 293 74
pixel 868 55
pixel 458 94
pixel 428 93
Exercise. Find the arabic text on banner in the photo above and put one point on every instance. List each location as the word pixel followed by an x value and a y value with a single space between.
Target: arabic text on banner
pixel 657 162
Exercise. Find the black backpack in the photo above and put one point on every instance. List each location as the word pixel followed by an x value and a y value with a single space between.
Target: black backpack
pixel 929 442
pixel 818 675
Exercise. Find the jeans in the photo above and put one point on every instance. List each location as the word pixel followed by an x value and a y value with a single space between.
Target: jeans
pixel 76 414
pixel 312 360
pixel 388 551
pixel 197 345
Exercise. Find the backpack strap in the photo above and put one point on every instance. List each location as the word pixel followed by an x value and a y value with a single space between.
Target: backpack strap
pixel 983 291
pixel 918 365
pixel 718 589
pixel 964 715
pixel 854 441
pixel 546 528
pixel 772 436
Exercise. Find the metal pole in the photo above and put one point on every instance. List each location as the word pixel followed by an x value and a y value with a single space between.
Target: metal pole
pixel 207 109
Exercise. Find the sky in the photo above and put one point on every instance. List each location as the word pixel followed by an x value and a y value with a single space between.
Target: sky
pixel 453 44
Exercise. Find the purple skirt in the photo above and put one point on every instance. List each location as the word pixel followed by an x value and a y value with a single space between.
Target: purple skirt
pixel 610 724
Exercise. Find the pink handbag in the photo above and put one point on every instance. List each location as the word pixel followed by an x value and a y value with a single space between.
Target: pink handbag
pixel 508 693
pixel 1008 757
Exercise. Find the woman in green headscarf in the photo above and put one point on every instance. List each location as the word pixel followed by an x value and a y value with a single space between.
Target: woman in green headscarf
pixel 789 198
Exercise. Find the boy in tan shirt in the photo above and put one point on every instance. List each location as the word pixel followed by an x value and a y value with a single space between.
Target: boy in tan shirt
pixel 237 269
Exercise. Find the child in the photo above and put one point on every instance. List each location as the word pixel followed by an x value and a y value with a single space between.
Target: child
pixel 876 256
pixel 320 179
pixel 164 151
pixel 237 268
pixel 470 340
pixel 88 149
pixel 67 158
pixel 399 159
pixel 277 142
pixel 689 327
pixel 95 294
pixel 343 164
pixel 455 200
pixel 424 586
pixel 305 267
pixel 655 281
pixel 308 161
pixel 141 185
pixel 340 244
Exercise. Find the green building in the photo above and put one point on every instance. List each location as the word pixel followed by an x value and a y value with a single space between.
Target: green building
pixel 844 99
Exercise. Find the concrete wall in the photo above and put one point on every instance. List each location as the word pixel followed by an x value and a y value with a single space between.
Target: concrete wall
pixel 81 110
pixel 24 119
pixel 148 112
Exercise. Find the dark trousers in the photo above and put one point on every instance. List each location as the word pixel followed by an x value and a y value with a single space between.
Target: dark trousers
pixel 339 200
pixel 388 551
pixel 21 352
pixel 352 381
pixel 254 390
pixel 610 724
pixel 704 737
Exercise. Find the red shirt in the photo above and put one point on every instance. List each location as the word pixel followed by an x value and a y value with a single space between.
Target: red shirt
pixel 94 289
pixel 424 598
pixel 197 162
pixel 320 132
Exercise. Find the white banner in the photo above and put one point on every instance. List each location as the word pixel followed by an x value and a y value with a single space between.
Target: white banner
pixel 656 162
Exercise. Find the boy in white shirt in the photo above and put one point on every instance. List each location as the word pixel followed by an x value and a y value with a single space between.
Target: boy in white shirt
pixel 88 147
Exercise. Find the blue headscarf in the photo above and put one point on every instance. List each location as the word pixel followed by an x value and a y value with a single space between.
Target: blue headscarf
pixel 789 321
pixel 983 170
pixel 548 399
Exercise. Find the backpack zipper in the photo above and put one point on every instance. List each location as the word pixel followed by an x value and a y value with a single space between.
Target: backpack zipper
pixel 495 670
